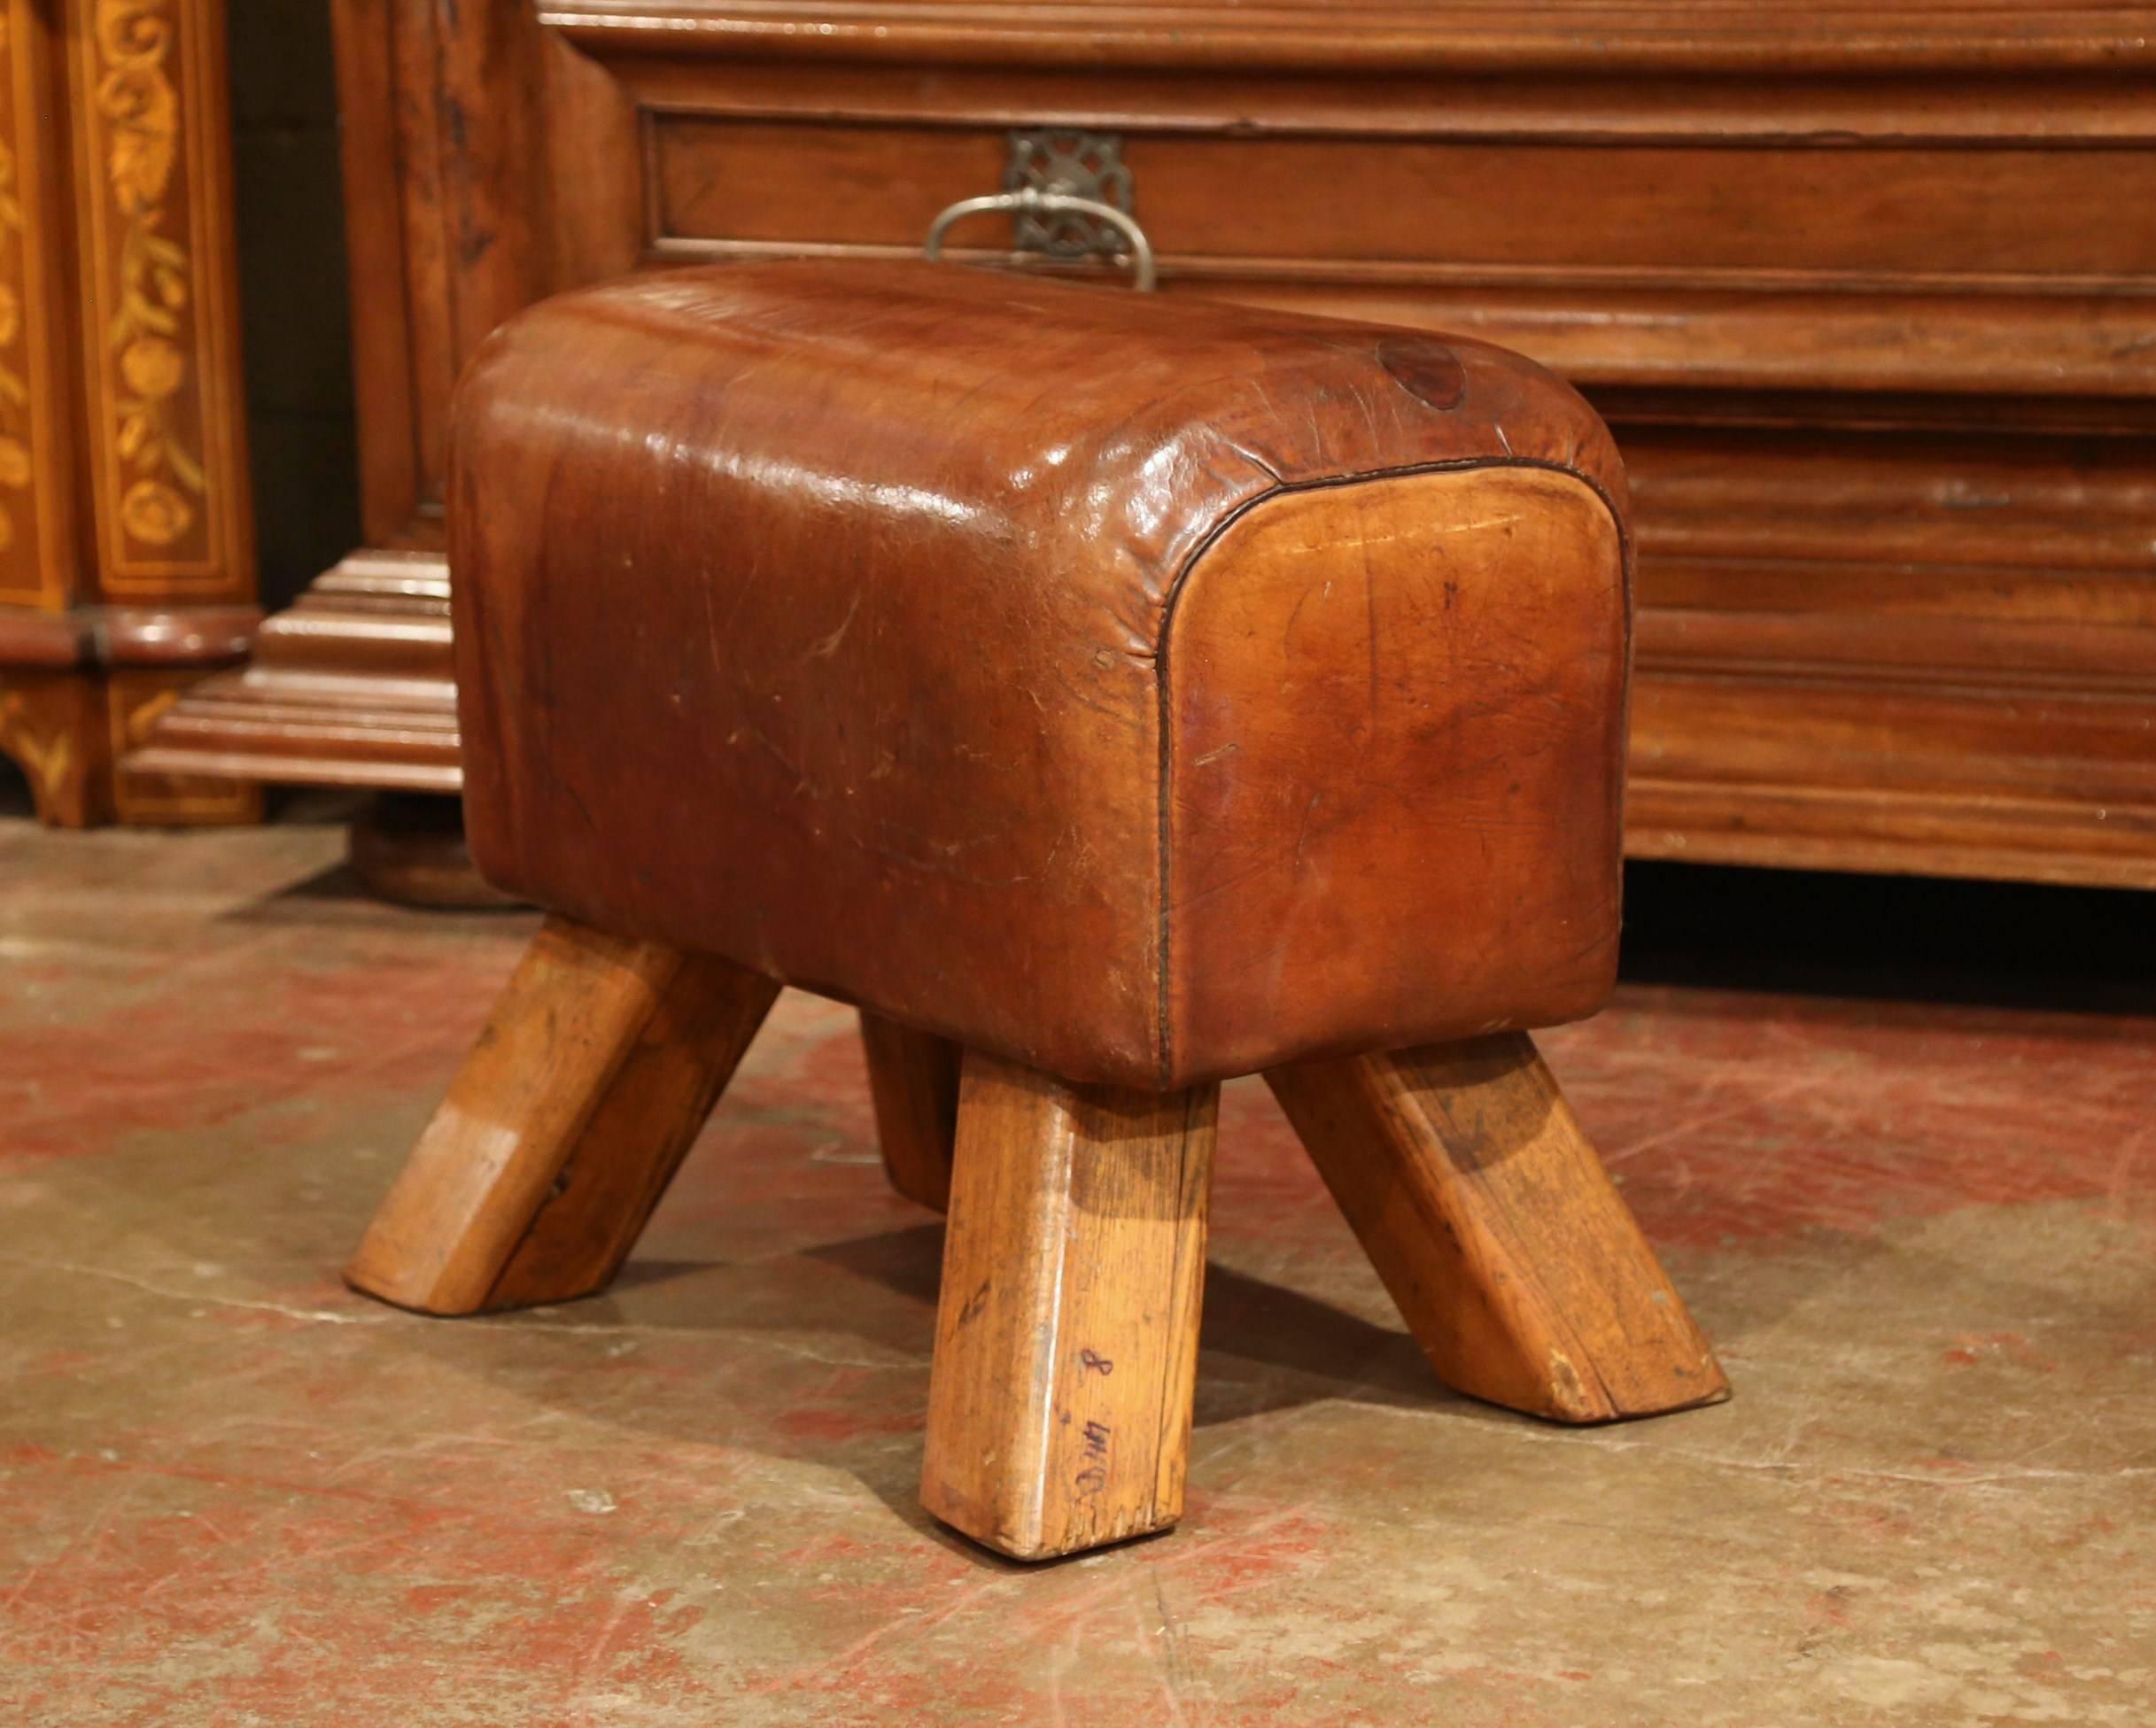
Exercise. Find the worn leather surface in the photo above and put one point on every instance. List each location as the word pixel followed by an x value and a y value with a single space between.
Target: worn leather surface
pixel 819 616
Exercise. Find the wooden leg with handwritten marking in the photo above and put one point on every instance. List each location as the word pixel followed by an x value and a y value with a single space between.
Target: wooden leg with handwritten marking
pixel 913 1078
pixel 1517 1266
pixel 1066 1337
pixel 571 1115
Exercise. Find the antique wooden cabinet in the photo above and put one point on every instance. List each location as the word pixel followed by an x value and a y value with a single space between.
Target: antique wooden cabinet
pixel 1868 293
pixel 127 559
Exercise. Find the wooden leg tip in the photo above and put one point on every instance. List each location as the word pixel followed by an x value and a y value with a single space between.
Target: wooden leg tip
pixel 1015 1535
pixel 1577 1402
pixel 366 1277
pixel 1039 1553
pixel 598 1065
pixel 359 1284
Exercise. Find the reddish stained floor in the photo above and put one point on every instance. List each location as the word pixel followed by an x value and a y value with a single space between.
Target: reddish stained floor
pixel 1923 1238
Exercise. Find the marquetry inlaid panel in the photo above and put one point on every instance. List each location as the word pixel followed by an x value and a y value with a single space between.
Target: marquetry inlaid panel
pixel 127 558
pixel 163 438
pixel 33 499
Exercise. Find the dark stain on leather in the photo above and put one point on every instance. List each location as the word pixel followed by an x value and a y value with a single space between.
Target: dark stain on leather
pixel 1427 370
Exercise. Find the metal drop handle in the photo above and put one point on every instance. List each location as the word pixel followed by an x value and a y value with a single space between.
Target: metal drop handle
pixel 1026 201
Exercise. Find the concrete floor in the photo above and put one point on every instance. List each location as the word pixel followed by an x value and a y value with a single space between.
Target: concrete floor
pixel 1923 1238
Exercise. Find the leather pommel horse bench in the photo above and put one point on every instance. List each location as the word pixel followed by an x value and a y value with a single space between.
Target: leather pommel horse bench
pixel 1108 695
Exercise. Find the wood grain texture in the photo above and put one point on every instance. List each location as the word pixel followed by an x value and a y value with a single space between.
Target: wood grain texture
pixel 135 698
pixel 1066 1337
pixel 1856 285
pixel 1364 33
pixel 39 429
pixel 53 727
pixel 593 1075
pixel 67 728
pixel 1517 1264
pixel 166 438
pixel 350 685
pixel 1547 210
pixel 914 1080
pixel 126 563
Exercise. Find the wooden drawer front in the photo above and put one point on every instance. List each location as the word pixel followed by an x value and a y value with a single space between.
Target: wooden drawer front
pixel 1998 269
pixel 1899 212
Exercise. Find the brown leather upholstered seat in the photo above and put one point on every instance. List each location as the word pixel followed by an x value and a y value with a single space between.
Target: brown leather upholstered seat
pixel 1141 689
pixel 1109 694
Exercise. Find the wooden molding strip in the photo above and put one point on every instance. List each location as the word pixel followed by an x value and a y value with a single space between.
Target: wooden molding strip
pixel 1612 41
pixel 1706 333
pixel 174 636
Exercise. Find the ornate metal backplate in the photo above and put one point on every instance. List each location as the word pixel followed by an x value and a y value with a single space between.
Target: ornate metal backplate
pixel 1083 165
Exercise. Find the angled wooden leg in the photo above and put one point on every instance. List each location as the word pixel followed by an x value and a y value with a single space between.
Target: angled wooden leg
pixel 1517 1266
pixel 574 1109
pixel 1066 1339
pixel 913 1080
